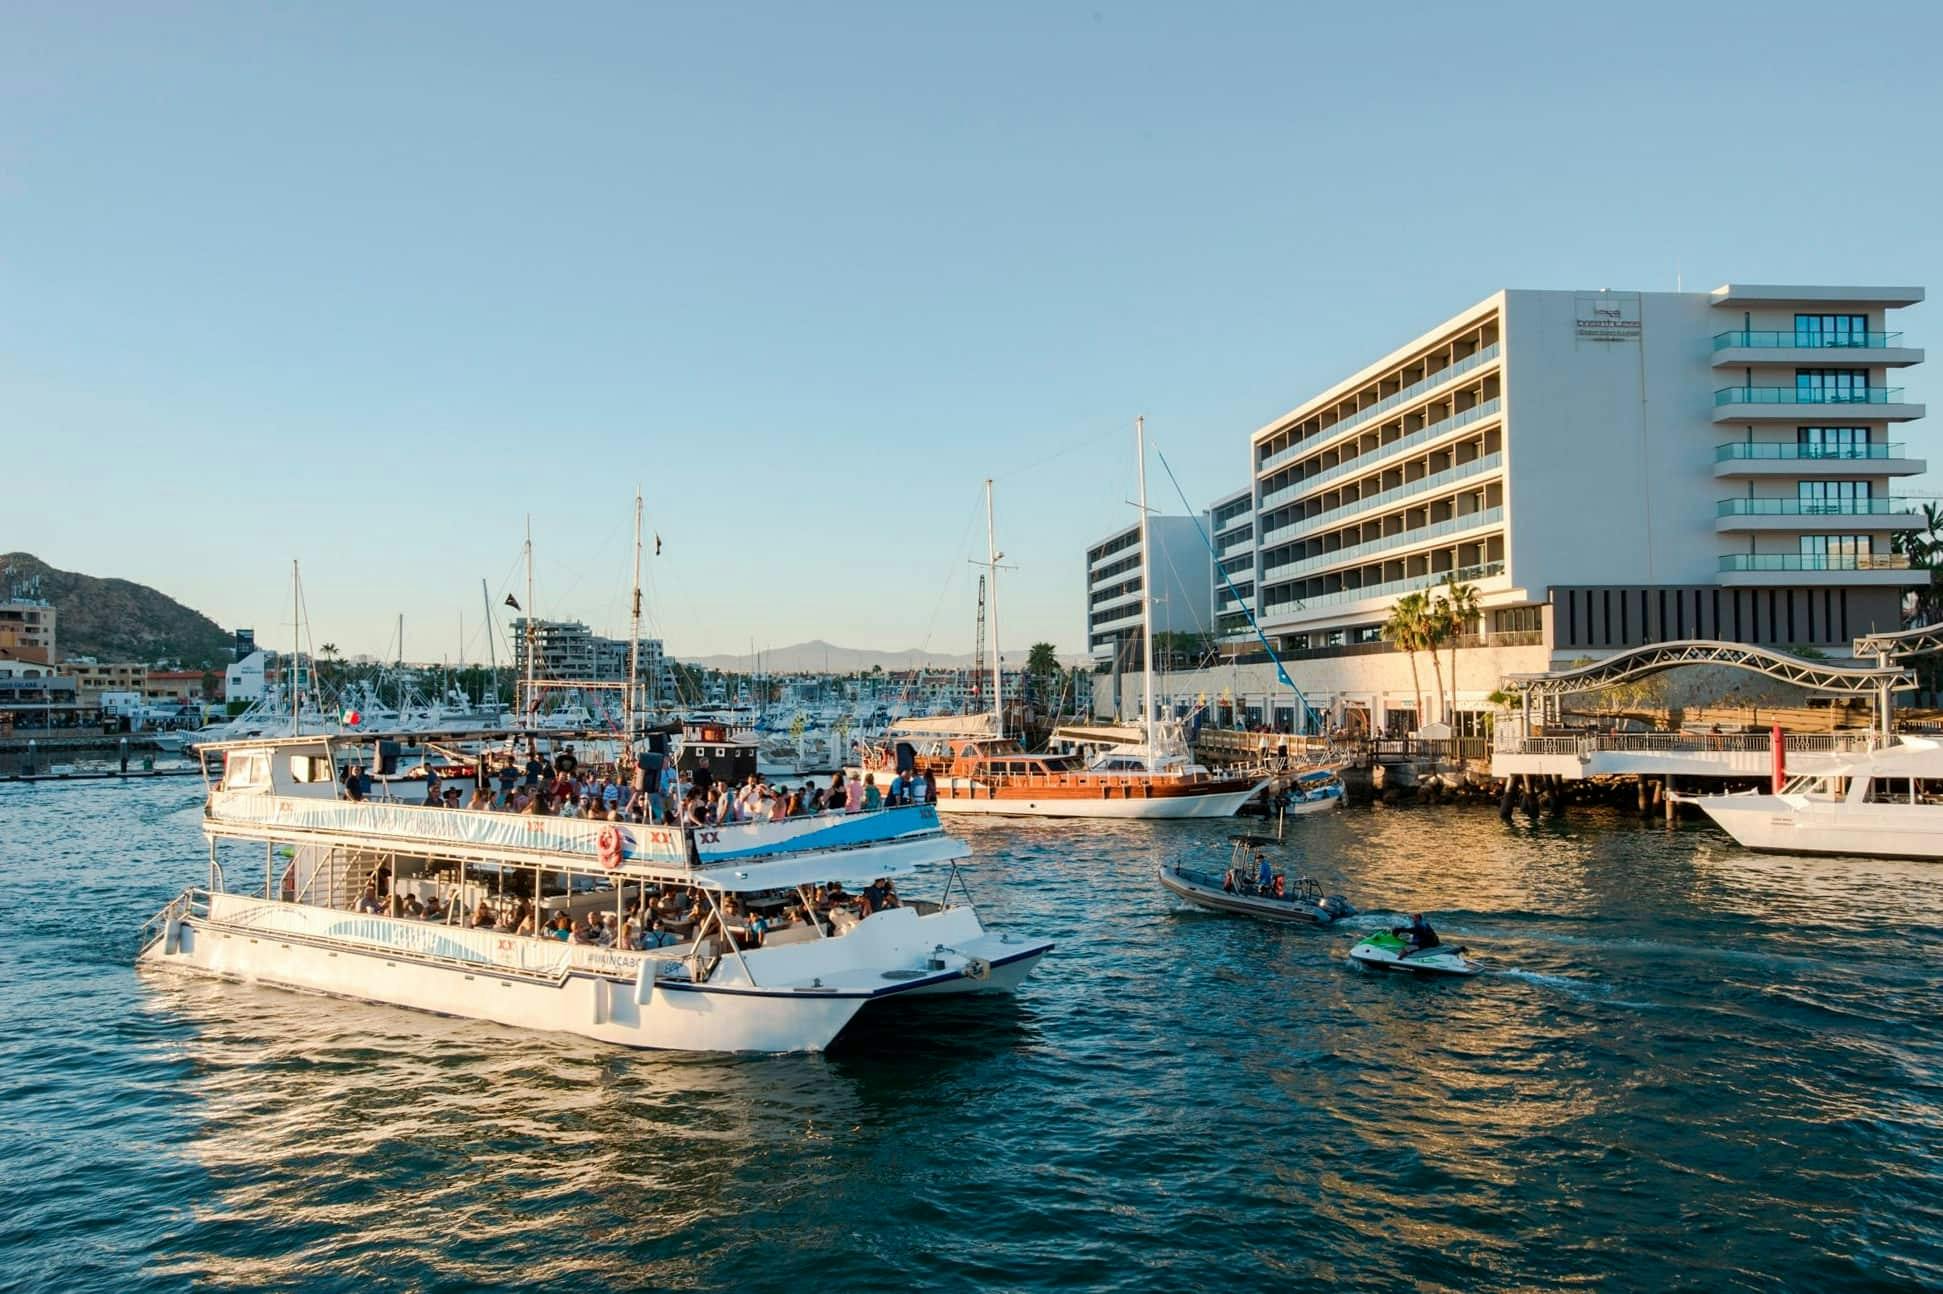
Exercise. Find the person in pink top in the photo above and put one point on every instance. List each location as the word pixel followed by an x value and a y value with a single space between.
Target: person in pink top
pixel 853 794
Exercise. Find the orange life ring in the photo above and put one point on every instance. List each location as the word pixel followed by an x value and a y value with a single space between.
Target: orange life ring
pixel 608 846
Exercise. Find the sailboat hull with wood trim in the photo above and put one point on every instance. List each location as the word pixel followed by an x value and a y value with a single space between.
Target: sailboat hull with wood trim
pixel 1082 796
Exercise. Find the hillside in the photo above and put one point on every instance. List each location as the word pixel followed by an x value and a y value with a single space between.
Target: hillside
pixel 119 620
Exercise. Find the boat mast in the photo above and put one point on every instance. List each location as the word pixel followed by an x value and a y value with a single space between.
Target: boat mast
pixel 633 641
pixel 531 637
pixel 492 649
pixel 296 641
pixel 1146 595
pixel 992 555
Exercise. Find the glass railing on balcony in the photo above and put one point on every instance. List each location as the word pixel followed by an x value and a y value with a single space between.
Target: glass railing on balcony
pixel 1237 542
pixel 1402 539
pixel 1805 340
pixel 1743 449
pixel 1810 507
pixel 1363 462
pixel 1807 395
pixel 1462 471
pixel 1411 584
pixel 1468 364
pixel 1814 562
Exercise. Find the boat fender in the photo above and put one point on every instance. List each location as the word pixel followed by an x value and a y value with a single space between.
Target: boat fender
pixel 977 968
pixel 608 846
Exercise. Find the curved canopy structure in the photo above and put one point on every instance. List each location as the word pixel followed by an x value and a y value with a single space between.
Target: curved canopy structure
pixel 1920 641
pixel 1654 658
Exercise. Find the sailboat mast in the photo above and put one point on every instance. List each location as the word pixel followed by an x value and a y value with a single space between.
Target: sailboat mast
pixel 492 649
pixel 992 555
pixel 1146 593
pixel 633 640
pixel 531 636
pixel 296 641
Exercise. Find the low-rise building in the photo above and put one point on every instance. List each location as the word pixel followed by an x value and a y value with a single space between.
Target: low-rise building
pixel 27 629
pixel 92 677
pixel 34 695
pixel 180 685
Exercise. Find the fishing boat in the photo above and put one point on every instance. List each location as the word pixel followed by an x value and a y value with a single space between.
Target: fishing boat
pixel 1240 888
pixel 1885 802
pixel 768 954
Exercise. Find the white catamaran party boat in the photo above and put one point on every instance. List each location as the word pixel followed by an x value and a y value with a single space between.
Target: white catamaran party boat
pixel 306 921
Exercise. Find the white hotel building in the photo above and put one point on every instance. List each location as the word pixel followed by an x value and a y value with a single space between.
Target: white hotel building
pixel 1606 468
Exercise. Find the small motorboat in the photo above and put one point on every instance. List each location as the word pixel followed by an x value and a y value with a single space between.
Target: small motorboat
pixel 1316 791
pixel 1241 890
pixel 1385 951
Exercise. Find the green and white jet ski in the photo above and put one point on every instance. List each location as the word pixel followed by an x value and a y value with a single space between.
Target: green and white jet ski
pixel 1384 951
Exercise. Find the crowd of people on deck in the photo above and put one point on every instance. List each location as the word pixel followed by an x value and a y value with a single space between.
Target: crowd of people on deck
pixel 657 916
pixel 562 789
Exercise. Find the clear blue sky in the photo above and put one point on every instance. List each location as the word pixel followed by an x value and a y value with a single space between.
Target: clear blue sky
pixel 364 284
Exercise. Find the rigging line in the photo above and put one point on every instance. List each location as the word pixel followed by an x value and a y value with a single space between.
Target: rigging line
pixel 951 576
pixel 1281 674
pixel 1084 442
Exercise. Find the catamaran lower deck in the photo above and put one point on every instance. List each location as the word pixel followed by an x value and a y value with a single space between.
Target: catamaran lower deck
pixel 691 997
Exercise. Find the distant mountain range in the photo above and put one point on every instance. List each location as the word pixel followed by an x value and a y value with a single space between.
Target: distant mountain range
pixel 119 620
pixel 817 656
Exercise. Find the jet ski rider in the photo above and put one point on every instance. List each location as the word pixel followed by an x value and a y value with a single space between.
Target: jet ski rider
pixel 1418 933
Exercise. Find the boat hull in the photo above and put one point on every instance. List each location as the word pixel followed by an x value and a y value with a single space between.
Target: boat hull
pixel 1215 899
pixel 1790 824
pixel 1437 963
pixel 964 795
pixel 602 994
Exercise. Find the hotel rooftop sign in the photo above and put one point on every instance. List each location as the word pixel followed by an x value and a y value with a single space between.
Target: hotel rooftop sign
pixel 1606 317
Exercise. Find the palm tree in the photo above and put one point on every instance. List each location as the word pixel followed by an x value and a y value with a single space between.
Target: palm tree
pixel 1407 629
pixel 1458 606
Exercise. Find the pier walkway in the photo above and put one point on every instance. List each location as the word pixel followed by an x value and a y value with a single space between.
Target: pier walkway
pixel 1573 756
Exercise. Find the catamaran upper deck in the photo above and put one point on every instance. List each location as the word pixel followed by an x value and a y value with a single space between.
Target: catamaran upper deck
pixel 289 791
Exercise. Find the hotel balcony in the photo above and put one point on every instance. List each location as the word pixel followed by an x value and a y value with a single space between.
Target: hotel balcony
pixel 1482 519
pixel 1815 515
pixel 1759 570
pixel 1382 453
pixel 1278 615
pixel 1345 511
pixel 1772 458
pixel 1740 349
pixel 1422 387
pixel 1802 404
pixel 1126 621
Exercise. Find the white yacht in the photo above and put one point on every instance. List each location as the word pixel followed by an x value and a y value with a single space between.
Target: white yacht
pixel 1882 803
pixel 319 915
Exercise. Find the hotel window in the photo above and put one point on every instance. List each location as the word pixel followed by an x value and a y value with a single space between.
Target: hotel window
pixel 1833 552
pixel 1832 385
pixel 1833 496
pixel 1833 442
pixel 1831 330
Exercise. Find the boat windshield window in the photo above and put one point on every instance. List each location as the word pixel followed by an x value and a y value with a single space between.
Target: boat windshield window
pixel 1891 790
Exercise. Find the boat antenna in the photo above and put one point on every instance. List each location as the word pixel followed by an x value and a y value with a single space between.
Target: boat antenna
pixel 1146 596
pixel 633 644
pixel 992 554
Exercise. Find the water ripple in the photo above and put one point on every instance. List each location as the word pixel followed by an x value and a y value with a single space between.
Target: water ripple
pixel 1687 1067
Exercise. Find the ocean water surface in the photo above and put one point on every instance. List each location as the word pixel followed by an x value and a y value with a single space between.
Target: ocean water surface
pixel 1688 1067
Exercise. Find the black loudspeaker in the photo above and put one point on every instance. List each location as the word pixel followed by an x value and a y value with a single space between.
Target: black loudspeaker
pixel 385 763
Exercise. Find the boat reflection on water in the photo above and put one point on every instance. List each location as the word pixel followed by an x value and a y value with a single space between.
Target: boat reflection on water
pixel 339 1139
